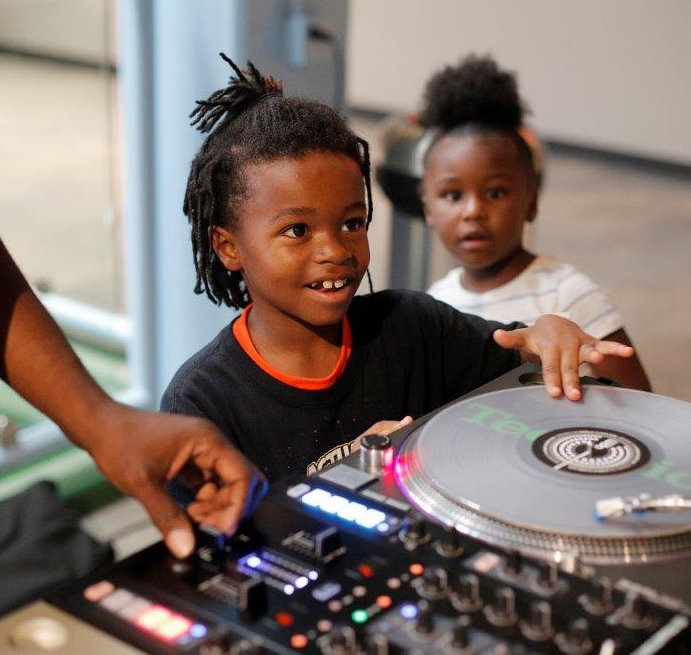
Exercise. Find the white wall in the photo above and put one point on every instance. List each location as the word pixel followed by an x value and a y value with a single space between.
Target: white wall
pixel 613 74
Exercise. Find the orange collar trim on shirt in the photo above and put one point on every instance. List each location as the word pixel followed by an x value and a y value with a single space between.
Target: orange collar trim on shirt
pixel 242 334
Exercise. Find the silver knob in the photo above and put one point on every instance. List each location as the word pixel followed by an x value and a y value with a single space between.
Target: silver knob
pixel 376 453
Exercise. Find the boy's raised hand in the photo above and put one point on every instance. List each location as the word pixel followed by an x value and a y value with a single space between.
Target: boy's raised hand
pixel 561 347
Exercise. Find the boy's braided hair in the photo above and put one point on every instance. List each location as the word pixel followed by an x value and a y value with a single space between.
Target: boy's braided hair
pixel 475 97
pixel 250 122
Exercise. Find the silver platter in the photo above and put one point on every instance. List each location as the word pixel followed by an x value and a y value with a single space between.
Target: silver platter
pixel 519 469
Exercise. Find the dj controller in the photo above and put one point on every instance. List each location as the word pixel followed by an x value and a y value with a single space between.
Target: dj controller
pixel 521 535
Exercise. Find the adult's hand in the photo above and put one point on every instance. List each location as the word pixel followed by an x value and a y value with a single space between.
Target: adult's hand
pixel 140 451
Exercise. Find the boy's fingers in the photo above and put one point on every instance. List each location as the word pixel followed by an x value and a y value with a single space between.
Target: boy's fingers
pixel 406 420
pixel 614 348
pixel 570 380
pixel 510 339
pixel 551 372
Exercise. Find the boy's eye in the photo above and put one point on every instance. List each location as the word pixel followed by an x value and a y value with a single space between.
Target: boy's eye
pixel 353 224
pixel 452 195
pixel 296 231
pixel 495 192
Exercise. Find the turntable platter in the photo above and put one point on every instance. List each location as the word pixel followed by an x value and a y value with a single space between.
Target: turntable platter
pixel 519 469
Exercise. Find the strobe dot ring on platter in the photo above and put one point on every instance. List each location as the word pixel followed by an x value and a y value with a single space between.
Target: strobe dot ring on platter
pixel 519 469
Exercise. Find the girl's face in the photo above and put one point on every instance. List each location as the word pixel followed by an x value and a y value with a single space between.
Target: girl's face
pixel 477 193
pixel 300 241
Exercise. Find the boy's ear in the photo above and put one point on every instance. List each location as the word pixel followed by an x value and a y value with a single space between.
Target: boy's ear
pixel 421 194
pixel 532 211
pixel 226 248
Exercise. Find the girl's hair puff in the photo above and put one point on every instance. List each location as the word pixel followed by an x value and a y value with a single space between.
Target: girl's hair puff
pixel 251 122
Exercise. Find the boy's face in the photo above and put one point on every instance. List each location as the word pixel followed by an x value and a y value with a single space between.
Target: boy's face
pixel 477 194
pixel 302 222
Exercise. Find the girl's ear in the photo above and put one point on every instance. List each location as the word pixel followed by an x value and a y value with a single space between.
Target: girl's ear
pixel 226 248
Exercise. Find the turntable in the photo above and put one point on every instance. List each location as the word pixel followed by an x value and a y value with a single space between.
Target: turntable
pixel 605 482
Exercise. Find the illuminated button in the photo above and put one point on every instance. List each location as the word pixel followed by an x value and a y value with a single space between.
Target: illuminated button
pixel 370 518
pixel 315 497
pixel 359 591
pixel 352 511
pixel 408 611
pixel 416 569
pixel 365 570
pixel 301 582
pixel 313 575
pixel 153 617
pixel 134 609
pixel 284 618
pixel 335 606
pixel 253 561
pixel 173 628
pixel 383 527
pixel 359 616
pixel 288 589
pixel 393 583
pixel 298 640
pixel 384 602
pixel 198 631
pixel 297 490
pixel 326 591
pixel 117 600
pixel 96 592
pixel 324 625
pixel 333 504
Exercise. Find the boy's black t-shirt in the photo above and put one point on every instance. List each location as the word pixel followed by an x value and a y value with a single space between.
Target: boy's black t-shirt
pixel 410 354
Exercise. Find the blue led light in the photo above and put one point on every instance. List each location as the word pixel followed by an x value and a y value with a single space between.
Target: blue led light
pixel 197 631
pixel 370 518
pixel 408 611
pixel 253 561
pixel 288 589
pixel 334 504
pixel 383 527
pixel 313 575
pixel 315 497
pixel 352 511
pixel 301 582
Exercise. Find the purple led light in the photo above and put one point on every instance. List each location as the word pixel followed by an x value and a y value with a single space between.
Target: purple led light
pixel 408 611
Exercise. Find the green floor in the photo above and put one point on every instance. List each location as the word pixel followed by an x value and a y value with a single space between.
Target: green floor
pixel 73 471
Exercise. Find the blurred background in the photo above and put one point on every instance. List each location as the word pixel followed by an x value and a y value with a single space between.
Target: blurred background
pixel 95 148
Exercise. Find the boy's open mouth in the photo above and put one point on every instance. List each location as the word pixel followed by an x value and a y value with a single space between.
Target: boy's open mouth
pixel 329 286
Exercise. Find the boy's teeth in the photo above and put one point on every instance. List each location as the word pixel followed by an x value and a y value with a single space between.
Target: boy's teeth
pixel 328 284
pixel 339 283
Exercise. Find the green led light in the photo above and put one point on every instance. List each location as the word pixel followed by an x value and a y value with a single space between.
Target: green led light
pixel 359 616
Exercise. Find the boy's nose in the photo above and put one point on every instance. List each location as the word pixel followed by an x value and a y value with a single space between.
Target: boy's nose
pixel 332 250
pixel 472 208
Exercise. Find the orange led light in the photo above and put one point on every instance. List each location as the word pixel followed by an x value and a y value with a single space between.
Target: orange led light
pixel 153 617
pixel 174 627
pixel 365 570
pixel 416 569
pixel 284 618
pixel 298 641
pixel 384 602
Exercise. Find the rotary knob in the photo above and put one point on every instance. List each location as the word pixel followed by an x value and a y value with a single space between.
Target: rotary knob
pixel 467 598
pixel 636 613
pixel 598 601
pixel 433 584
pixel 539 625
pixel 378 644
pixel 460 637
pixel 513 563
pixel 449 545
pixel 340 641
pixel 576 639
pixel 424 622
pixel 414 530
pixel 547 576
pixel 376 452
pixel 502 611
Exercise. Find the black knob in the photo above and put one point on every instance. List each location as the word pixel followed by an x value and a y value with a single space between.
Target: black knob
pixel 502 611
pixel 636 612
pixel 513 562
pixel 548 575
pixel 414 529
pixel 461 633
pixel 538 627
pixel 425 618
pixel 579 632
pixel 180 566
pixel 434 581
pixel 341 641
pixel 450 543
pixel 378 644
pixel 326 543
pixel 467 598
pixel 598 601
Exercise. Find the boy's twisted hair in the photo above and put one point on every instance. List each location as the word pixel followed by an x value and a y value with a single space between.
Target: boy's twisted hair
pixel 250 122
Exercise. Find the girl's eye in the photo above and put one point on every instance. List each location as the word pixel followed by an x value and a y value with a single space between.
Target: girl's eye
pixel 495 192
pixel 296 231
pixel 353 224
pixel 452 195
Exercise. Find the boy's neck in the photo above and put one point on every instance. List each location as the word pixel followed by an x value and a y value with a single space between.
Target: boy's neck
pixel 297 349
pixel 486 279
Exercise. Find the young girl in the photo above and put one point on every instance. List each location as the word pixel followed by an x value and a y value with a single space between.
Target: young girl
pixel 479 190
pixel 279 202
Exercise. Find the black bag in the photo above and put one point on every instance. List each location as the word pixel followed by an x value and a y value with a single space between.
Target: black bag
pixel 42 546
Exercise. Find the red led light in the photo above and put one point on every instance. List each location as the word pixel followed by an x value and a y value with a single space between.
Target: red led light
pixel 298 641
pixel 366 571
pixel 416 569
pixel 98 591
pixel 284 618
pixel 384 602
pixel 151 618
pixel 173 628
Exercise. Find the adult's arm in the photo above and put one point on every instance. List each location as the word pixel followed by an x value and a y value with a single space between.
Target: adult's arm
pixel 138 451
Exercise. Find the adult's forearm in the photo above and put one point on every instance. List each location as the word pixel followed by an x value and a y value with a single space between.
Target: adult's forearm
pixel 38 362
